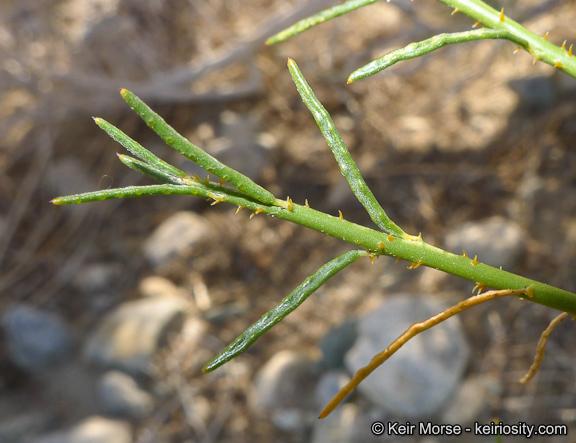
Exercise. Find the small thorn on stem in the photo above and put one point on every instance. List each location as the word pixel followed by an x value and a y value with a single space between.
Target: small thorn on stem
pixel 517 49
pixel 502 18
pixel 415 265
pixel 218 199
pixel 558 65
pixel 475 24
pixel 256 212
pixel 456 11
pixel 479 287
pixel 545 36
pixel 340 216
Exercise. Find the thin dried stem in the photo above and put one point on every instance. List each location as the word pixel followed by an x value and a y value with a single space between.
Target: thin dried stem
pixel 411 332
pixel 541 348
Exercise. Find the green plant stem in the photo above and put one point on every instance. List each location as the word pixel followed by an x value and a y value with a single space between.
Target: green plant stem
pixel 316 19
pixel 418 49
pixel 153 172
pixel 137 149
pixel 538 46
pixel 193 152
pixel 378 243
pixel 285 307
pixel 349 169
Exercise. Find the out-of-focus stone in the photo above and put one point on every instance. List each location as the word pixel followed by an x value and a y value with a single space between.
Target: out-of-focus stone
pixel 122 397
pixel 177 234
pixel 129 336
pixel 91 430
pixel 418 380
pixel 495 240
pixel 36 339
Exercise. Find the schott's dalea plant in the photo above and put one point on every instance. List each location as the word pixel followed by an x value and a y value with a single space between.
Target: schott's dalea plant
pixel 235 188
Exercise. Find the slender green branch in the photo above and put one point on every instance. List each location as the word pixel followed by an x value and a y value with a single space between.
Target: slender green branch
pixel 316 19
pixel 538 46
pixel 414 250
pixel 341 154
pixel 285 307
pixel 418 49
pixel 194 153
pixel 152 171
pixel 378 243
pixel 130 191
pixel 137 149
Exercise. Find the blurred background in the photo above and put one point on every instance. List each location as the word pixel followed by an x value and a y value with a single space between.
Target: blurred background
pixel 110 310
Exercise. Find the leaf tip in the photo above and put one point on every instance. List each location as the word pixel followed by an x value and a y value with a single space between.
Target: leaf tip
pixel 124 92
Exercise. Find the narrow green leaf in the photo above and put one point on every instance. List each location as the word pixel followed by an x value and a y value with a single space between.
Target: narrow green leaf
pixel 129 191
pixel 341 154
pixel 418 49
pixel 285 307
pixel 194 153
pixel 137 149
pixel 316 19
pixel 153 172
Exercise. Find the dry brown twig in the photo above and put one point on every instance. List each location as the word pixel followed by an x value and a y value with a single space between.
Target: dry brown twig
pixel 541 348
pixel 410 333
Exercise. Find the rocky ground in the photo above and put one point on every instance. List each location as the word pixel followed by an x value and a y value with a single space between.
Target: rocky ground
pixel 110 310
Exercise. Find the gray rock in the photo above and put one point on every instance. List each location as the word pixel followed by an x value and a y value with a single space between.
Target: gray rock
pixel 329 385
pixel 536 93
pixel 97 277
pixel 129 336
pixel 471 400
pixel 36 339
pixel 177 234
pixel 284 388
pixel 346 424
pixel 91 430
pixel 122 397
pixel 15 428
pixel 495 240
pixel 418 380
pixel 336 343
